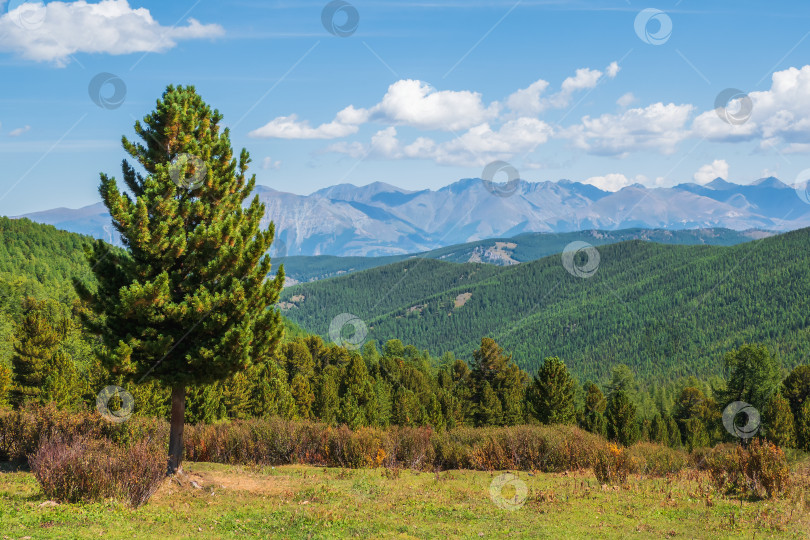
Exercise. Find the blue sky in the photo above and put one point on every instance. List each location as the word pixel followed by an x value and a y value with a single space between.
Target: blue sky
pixel 420 95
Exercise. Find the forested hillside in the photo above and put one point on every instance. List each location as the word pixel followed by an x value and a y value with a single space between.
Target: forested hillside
pixel 511 250
pixel 40 261
pixel 666 311
pixel 37 261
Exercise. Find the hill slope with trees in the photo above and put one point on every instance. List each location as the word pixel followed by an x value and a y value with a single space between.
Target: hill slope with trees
pixel 665 310
pixel 511 250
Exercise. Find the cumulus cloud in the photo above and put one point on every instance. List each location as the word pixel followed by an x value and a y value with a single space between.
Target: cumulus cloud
pixel 626 100
pixel 109 27
pixel 482 144
pixel 476 147
pixel 417 104
pixel 406 103
pixel 655 127
pixel 19 131
pixel 529 101
pixel 716 169
pixel 289 127
pixel 779 116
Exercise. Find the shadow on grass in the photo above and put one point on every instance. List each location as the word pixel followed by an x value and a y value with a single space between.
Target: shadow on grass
pixel 14 466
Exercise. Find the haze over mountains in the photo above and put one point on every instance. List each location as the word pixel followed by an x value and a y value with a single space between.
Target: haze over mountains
pixel 380 219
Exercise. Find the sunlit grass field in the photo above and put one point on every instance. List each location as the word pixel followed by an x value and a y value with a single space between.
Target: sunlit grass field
pixel 220 501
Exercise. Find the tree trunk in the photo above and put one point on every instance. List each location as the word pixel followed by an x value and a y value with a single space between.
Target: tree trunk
pixel 176 433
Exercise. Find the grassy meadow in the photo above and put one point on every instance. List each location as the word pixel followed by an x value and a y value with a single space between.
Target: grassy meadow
pixel 223 501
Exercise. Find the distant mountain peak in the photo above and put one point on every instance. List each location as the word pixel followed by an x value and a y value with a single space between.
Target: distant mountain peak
pixel 771 182
pixel 720 184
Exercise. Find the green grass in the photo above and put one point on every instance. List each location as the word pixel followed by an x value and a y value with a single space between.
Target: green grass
pixel 309 502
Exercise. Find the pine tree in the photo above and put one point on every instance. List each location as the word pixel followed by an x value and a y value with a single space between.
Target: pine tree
pixel 151 399
pixel 796 389
pixel 36 341
pixel 462 393
pixel 489 411
pixel 357 392
pixel 236 396
pixel 435 416
pixel 394 349
pixel 385 403
pixel 188 303
pixel 674 432
pixel 303 395
pixel 644 429
pixel 780 425
pixel 595 422
pixel 298 359
pixel 495 371
pixel 689 414
pixel 623 380
pixel 752 375
pixel 694 433
pixel 61 385
pixel 593 416
pixel 658 430
pixel 551 394
pixel 371 356
pixel 803 427
pixel 406 408
pixel 621 419
pixel 326 397
pixel 270 393
pixel 203 404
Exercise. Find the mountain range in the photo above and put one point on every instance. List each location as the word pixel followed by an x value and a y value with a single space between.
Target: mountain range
pixel 381 219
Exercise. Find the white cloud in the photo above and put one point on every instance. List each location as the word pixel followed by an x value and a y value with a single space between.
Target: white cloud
pixel 610 182
pixel 716 169
pixel 288 127
pixel 626 100
pixel 269 164
pixel 779 116
pixel 527 100
pixel 655 127
pixel 406 103
pixel 109 26
pixel 617 181
pixel 19 131
pixel 416 104
pixel 796 148
pixel 482 144
pixel 584 78
pixel 476 147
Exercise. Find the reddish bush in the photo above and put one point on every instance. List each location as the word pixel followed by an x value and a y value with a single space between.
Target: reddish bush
pixel 84 469
pixel 275 441
pixel 760 470
pixel 613 465
pixel 22 431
